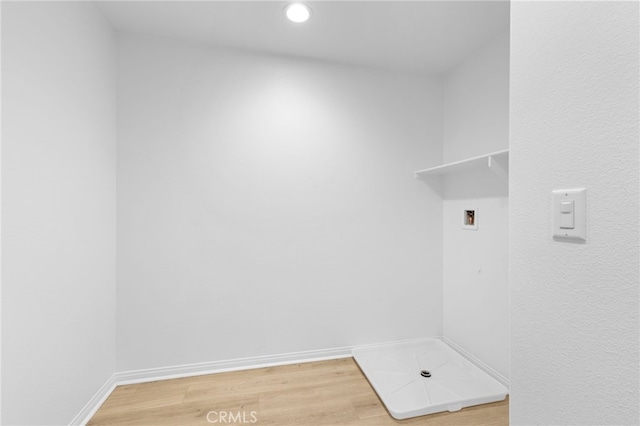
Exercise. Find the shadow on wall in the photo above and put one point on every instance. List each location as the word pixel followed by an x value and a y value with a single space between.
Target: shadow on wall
pixel 466 186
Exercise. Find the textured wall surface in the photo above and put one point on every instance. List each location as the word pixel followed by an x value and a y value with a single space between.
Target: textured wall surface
pixel 475 271
pixel 58 209
pixel 267 205
pixel 574 123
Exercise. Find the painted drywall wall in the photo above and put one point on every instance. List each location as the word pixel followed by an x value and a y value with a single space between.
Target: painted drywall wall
pixel 267 205
pixel 574 123
pixel 0 216
pixel 476 103
pixel 58 209
pixel 475 268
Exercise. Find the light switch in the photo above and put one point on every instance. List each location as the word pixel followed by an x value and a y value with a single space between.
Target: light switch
pixel 568 208
pixel 566 214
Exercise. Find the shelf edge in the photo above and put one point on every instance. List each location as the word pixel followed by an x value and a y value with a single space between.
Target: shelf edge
pixel 437 169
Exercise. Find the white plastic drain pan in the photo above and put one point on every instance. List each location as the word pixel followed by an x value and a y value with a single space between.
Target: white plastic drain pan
pixel 425 377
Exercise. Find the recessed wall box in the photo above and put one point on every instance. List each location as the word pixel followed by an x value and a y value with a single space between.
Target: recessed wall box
pixel 470 218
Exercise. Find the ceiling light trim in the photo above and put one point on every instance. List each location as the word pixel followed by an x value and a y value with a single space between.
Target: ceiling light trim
pixel 298 12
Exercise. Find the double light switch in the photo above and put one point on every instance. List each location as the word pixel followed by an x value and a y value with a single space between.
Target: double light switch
pixel 569 215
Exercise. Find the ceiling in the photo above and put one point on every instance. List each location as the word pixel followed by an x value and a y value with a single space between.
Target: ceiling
pixel 417 36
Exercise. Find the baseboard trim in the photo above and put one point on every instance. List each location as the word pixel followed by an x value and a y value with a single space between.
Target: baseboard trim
pixel 83 417
pixel 490 371
pixel 199 369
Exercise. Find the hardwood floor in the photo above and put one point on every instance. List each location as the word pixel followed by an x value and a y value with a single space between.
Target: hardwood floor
pixel 319 393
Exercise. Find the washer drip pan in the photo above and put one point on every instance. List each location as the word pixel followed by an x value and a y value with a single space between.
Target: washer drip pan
pixel 418 378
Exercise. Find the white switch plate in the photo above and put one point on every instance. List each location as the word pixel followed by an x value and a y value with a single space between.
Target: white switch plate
pixel 579 232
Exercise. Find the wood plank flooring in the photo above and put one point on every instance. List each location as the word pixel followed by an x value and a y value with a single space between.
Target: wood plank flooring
pixel 318 393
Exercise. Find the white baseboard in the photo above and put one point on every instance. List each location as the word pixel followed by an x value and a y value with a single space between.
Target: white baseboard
pixel 199 369
pixel 490 371
pixel 188 370
pixel 94 403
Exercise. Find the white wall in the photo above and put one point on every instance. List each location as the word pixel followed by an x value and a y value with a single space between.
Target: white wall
pixel 0 215
pixel 58 209
pixel 574 123
pixel 475 272
pixel 476 103
pixel 267 205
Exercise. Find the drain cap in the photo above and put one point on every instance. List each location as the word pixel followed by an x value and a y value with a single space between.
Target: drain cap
pixel 425 373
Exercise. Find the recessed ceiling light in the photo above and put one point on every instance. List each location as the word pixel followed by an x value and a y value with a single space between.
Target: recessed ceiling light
pixel 297 12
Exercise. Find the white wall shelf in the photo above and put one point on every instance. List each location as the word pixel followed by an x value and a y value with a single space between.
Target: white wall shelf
pixel 497 162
